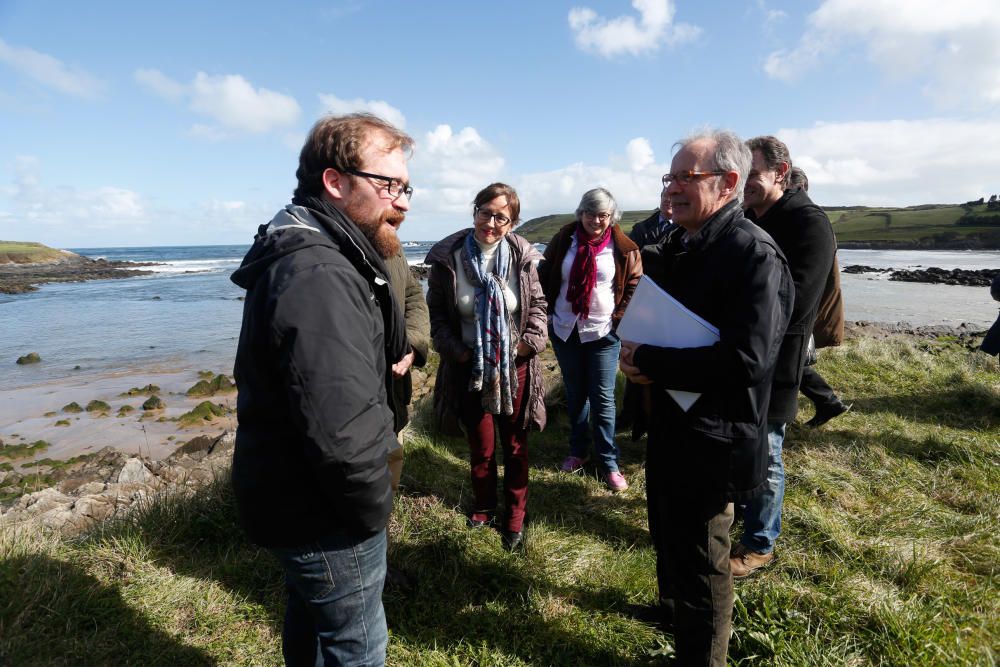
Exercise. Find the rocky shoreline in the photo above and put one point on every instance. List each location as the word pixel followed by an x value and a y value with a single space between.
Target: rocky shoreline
pixel 72 268
pixel 931 275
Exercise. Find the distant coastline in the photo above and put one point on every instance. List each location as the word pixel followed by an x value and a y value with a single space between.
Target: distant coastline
pixel 25 266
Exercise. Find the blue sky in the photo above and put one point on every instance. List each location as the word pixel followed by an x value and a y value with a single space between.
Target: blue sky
pixel 126 124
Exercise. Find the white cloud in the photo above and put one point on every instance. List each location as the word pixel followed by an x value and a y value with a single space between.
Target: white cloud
pixel 953 46
pixel 50 71
pixel 334 105
pixel 449 168
pixel 899 162
pixel 33 203
pixel 232 101
pixel 639 153
pixel 229 99
pixel 611 37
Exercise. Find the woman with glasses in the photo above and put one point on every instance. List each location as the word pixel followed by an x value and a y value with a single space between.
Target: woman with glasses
pixel 588 275
pixel 488 324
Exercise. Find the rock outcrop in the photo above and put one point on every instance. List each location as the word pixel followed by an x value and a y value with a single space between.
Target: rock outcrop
pixel 112 482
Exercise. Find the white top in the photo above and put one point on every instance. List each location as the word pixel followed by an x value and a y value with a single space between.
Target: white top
pixel 465 292
pixel 602 299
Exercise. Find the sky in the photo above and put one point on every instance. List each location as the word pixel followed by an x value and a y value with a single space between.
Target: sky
pixel 142 124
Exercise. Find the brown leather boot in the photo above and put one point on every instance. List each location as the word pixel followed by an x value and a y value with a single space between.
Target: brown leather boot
pixel 743 561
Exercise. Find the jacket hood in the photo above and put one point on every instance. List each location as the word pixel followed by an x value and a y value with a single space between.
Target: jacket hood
pixel 292 229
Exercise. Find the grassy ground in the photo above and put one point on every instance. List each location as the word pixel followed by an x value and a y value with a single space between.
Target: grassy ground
pixel 20 252
pixel 889 555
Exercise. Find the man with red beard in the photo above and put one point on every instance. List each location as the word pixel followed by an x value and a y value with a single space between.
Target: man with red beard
pixel 321 331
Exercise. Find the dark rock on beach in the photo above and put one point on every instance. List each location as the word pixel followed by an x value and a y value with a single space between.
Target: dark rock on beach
pixel 17 278
pixel 932 275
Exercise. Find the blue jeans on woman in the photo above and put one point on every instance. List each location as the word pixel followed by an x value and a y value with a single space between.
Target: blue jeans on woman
pixel 588 371
pixel 335 614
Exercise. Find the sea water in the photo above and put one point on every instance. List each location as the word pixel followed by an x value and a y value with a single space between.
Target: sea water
pixel 187 313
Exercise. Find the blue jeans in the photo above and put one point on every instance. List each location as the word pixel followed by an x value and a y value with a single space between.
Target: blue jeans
pixel 588 371
pixel 334 614
pixel 762 515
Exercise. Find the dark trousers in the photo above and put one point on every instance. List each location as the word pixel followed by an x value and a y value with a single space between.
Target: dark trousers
pixel 479 428
pixel 815 388
pixel 693 535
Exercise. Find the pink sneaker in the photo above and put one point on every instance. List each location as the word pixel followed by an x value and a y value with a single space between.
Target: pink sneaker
pixel 572 464
pixel 616 481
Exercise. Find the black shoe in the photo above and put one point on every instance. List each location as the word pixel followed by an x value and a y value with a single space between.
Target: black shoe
pixel 512 540
pixel 825 413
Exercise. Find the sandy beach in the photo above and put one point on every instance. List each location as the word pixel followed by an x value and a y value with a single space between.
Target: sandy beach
pixel 26 415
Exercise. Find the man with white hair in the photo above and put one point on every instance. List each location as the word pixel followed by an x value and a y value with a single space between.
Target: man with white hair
pixel 730 273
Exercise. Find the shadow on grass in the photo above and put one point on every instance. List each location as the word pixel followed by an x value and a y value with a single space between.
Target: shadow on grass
pixel 557 498
pixel 54 613
pixel 486 600
pixel 963 405
pixel 200 536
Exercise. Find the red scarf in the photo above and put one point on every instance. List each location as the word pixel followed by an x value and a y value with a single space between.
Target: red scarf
pixel 583 273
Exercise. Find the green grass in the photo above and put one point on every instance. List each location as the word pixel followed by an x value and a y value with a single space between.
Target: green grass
pixel 25 252
pixel 23 450
pixel 888 557
pixel 913 225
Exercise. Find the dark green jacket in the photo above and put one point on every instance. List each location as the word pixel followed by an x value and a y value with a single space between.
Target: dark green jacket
pixel 409 297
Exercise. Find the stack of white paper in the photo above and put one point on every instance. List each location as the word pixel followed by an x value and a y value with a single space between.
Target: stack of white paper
pixel 653 317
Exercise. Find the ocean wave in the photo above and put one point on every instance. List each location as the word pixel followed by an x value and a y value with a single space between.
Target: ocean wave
pixel 196 265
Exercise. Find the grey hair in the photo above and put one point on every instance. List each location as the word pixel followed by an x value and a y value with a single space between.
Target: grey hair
pixel 599 200
pixel 731 154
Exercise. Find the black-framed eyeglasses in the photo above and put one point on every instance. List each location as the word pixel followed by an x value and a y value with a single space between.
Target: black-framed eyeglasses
pixel 689 176
pixel 485 216
pixel 394 186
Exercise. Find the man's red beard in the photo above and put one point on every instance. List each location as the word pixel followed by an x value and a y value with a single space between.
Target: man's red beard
pixel 382 237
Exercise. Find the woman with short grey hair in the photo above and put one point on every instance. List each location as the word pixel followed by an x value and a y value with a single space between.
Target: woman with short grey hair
pixel 589 273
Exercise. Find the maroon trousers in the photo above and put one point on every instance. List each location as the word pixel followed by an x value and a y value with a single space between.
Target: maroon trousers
pixel 479 427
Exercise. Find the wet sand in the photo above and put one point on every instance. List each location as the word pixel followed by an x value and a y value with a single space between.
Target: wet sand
pixel 23 410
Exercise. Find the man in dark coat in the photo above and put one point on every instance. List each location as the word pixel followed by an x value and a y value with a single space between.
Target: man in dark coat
pixel 321 330
pixel 804 234
pixel 731 274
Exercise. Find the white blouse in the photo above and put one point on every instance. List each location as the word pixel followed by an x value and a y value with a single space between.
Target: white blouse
pixel 602 299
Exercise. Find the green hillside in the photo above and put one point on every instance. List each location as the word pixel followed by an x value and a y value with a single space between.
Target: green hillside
pixel 926 226
pixel 19 252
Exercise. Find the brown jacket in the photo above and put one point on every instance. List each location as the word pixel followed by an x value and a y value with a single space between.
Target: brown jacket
pixel 829 328
pixel 628 268
pixel 446 328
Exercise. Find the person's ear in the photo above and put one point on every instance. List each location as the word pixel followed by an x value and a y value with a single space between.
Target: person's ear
pixel 729 182
pixel 782 172
pixel 335 183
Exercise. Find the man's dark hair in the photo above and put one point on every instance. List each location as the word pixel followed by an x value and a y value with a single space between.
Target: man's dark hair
pixel 337 142
pixel 494 190
pixel 773 150
pixel 798 179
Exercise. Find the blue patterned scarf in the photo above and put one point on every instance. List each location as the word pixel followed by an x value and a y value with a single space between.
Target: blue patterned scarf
pixel 493 371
